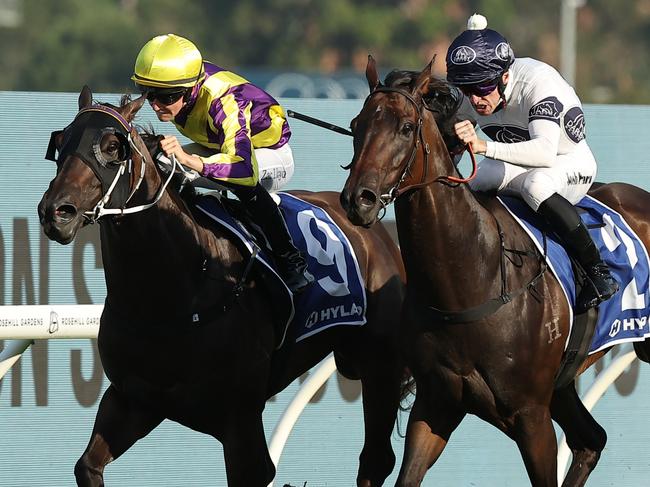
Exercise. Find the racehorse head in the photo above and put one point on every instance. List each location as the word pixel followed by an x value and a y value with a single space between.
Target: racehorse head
pixel 101 162
pixel 396 140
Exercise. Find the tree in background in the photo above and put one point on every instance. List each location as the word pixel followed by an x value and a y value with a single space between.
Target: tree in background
pixel 60 45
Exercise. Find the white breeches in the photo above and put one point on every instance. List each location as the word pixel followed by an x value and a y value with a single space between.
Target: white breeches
pixel 275 166
pixel 571 177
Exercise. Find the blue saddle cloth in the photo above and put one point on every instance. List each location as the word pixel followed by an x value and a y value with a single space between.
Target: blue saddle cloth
pixel 338 296
pixel 624 317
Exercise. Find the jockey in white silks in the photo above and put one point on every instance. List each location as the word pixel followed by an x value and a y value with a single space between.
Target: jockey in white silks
pixel 538 151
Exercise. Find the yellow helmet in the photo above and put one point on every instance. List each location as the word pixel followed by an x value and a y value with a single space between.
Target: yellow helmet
pixel 168 61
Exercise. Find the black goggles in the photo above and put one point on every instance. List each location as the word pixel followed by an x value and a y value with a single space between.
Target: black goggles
pixel 481 89
pixel 165 97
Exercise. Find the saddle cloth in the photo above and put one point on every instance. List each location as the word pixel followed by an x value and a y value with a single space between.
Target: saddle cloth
pixel 625 316
pixel 337 296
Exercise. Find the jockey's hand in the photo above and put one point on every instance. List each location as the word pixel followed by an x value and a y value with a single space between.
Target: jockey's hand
pixel 170 146
pixel 467 135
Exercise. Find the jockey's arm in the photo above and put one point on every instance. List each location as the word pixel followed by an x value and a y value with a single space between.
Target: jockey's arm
pixel 235 161
pixel 545 100
pixel 540 151
pixel 170 145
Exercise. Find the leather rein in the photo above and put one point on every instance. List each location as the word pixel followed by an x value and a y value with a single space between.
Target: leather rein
pixel 490 306
pixel 391 195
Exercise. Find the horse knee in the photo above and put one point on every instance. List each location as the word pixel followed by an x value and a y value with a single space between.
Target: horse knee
pixel 591 436
pixel 642 350
pixel 87 475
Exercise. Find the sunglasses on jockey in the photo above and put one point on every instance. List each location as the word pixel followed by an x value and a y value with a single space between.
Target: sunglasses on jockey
pixel 163 96
pixel 480 89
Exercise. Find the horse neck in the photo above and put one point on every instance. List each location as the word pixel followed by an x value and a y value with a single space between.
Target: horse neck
pixel 160 250
pixel 449 240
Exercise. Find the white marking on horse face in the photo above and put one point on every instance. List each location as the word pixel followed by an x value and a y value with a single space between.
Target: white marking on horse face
pixel 378 109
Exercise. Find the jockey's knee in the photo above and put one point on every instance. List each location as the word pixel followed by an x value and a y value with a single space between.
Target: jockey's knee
pixel 275 167
pixel 537 187
pixel 490 176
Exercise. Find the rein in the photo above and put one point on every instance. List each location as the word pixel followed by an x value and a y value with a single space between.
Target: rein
pixel 99 210
pixel 490 306
pixel 392 194
pixel 124 131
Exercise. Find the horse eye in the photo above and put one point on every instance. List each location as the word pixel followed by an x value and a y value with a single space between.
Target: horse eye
pixel 110 148
pixel 407 128
pixel 113 147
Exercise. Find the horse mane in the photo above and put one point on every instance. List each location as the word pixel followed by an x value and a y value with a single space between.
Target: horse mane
pixel 443 101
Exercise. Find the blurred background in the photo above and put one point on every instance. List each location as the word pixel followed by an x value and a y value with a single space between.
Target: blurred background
pixel 311 54
pixel 318 48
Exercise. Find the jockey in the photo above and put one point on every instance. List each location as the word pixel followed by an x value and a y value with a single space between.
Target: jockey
pixel 239 131
pixel 538 150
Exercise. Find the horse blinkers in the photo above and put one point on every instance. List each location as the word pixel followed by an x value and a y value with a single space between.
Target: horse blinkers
pixel 102 141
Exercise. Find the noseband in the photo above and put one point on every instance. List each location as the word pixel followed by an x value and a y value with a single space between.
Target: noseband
pixel 389 197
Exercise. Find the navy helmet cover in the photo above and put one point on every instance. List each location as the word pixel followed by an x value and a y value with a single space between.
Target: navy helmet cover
pixel 477 56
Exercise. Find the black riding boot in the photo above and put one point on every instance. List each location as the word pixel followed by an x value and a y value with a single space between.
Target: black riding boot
pixel 266 214
pixel 563 218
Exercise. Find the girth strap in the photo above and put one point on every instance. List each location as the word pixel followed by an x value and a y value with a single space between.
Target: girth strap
pixel 582 333
pixel 491 306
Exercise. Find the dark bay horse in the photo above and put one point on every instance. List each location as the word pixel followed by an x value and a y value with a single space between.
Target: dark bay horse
pixel 164 264
pixel 501 366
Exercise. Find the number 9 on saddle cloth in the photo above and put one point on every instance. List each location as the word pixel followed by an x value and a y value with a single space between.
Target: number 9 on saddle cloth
pixel 338 295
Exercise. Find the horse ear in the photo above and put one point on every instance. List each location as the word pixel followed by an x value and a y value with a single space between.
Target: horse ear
pixel 424 78
pixel 131 108
pixel 371 74
pixel 85 97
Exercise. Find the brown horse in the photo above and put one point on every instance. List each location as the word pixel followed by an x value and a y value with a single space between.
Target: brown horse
pixel 164 265
pixel 499 365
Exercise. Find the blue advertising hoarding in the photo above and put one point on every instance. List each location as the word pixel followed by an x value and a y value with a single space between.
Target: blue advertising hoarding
pixel 48 401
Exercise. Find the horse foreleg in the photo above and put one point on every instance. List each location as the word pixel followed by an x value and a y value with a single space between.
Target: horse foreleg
pixel 533 431
pixel 248 463
pixel 118 425
pixel 642 350
pixel 430 426
pixel 584 436
pixel 381 379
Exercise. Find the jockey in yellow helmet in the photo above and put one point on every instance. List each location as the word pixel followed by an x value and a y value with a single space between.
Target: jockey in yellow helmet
pixel 238 130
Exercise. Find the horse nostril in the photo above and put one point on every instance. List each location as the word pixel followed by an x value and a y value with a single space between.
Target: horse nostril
pixel 65 213
pixel 367 198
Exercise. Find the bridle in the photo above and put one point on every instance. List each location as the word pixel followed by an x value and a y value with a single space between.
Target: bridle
pixel 489 306
pixel 117 125
pixel 391 195
pixel 396 190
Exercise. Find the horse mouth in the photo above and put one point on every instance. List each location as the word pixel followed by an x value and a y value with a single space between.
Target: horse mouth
pixel 63 234
pixel 362 219
pixel 363 209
